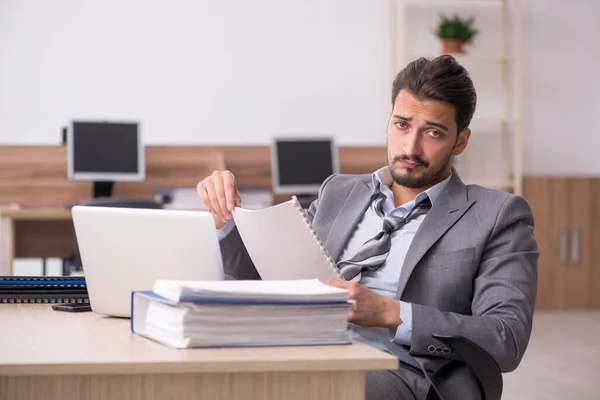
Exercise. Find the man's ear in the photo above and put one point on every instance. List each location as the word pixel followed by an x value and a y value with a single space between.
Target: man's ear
pixel 462 141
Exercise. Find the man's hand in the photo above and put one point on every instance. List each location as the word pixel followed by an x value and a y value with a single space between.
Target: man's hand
pixel 370 309
pixel 220 194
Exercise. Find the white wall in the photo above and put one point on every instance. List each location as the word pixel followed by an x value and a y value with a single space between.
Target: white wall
pixel 238 71
pixel 561 106
pixel 196 71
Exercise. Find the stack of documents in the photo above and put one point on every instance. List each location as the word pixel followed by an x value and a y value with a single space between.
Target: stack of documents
pixel 185 314
pixel 43 289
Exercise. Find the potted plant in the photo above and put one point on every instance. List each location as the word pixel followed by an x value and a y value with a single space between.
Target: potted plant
pixel 455 32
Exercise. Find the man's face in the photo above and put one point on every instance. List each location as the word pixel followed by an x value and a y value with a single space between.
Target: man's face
pixel 422 140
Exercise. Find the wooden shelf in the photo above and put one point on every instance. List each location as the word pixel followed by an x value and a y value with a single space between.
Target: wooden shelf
pixel 495 63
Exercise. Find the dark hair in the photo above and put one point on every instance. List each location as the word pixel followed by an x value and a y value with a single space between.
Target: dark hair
pixel 442 79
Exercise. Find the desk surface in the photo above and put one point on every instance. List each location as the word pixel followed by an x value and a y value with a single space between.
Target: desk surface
pixel 37 340
pixel 36 213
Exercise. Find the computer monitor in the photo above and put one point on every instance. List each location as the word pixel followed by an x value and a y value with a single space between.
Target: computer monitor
pixel 105 152
pixel 299 166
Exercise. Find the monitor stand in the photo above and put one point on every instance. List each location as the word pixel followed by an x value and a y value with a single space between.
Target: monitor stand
pixel 103 189
pixel 305 200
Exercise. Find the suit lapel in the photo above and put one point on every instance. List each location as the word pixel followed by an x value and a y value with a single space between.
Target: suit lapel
pixel 352 210
pixel 449 208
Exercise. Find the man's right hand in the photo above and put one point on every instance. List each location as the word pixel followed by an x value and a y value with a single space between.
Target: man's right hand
pixel 220 195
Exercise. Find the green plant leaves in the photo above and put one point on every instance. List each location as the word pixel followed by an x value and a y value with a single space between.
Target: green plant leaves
pixel 456 28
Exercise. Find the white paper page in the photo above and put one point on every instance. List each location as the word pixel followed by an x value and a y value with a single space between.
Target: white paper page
pixel 297 290
pixel 281 245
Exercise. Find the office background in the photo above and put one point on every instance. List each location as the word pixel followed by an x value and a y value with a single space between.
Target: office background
pixel 236 73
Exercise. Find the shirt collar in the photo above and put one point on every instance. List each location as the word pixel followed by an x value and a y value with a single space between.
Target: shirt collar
pixel 383 176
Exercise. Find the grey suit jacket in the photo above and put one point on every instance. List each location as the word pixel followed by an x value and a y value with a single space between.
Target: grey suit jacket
pixel 471 270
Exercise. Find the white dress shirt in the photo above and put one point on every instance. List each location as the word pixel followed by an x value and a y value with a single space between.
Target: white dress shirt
pixel 384 280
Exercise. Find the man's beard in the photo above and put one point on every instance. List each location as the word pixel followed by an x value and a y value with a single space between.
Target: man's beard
pixel 428 177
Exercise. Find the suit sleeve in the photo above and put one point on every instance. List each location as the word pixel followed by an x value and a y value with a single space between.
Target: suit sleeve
pixel 236 260
pixel 504 294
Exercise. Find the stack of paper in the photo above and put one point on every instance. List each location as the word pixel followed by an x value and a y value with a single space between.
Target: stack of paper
pixel 242 313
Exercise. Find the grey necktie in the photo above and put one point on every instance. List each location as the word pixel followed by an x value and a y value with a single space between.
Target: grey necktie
pixel 375 250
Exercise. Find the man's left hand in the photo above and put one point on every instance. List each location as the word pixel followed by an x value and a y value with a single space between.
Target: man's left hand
pixel 370 309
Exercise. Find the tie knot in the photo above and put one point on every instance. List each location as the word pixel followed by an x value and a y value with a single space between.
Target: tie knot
pixel 375 250
pixel 420 208
pixel 378 200
pixel 392 223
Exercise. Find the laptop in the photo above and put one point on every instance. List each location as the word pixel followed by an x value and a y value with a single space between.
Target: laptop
pixel 128 249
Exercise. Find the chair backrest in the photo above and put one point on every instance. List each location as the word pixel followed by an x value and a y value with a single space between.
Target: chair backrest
pixel 110 202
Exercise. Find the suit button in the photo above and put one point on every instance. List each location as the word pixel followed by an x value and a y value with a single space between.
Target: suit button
pixel 446 351
pixel 431 349
pixel 438 349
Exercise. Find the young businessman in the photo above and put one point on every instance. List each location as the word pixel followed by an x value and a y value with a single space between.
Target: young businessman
pixel 422 253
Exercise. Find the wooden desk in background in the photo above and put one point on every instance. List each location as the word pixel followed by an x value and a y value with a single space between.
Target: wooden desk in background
pixel 37 176
pixel 37 232
pixel 52 355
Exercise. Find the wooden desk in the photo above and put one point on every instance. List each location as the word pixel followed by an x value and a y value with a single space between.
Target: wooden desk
pixel 58 355
pixel 37 232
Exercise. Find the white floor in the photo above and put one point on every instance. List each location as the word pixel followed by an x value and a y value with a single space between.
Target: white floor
pixel 562 360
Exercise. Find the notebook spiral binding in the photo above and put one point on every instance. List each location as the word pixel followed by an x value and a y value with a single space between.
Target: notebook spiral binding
pixel 44 300
pixel 43 290
pixel 308 223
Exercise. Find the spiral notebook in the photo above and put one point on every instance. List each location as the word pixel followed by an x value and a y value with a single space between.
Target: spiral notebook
pixel 42 289
pixel 283 244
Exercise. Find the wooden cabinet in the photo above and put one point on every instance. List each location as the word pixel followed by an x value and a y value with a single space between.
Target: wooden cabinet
pixel 595 244
pixel 567 228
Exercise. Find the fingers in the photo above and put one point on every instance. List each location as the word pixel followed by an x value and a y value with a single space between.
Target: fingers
pixel 354 289
pixel 220 195
pixel 352 317
pixel 213 201
pixel 203 192
pixel 231 193
pixel 339 284
pixel 220 200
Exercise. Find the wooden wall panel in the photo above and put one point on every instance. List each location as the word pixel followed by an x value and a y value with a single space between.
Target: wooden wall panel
pixel 252 164
pixel 595 250
pixel 172 167
pixel 362 160
pixel 37 175
pixel 43 239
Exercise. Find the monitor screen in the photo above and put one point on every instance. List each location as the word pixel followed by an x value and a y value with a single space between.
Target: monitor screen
pixel 301 165
pixel 105 151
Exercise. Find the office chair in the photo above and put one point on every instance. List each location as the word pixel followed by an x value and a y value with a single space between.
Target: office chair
pixel 481 363
pixel 74 264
